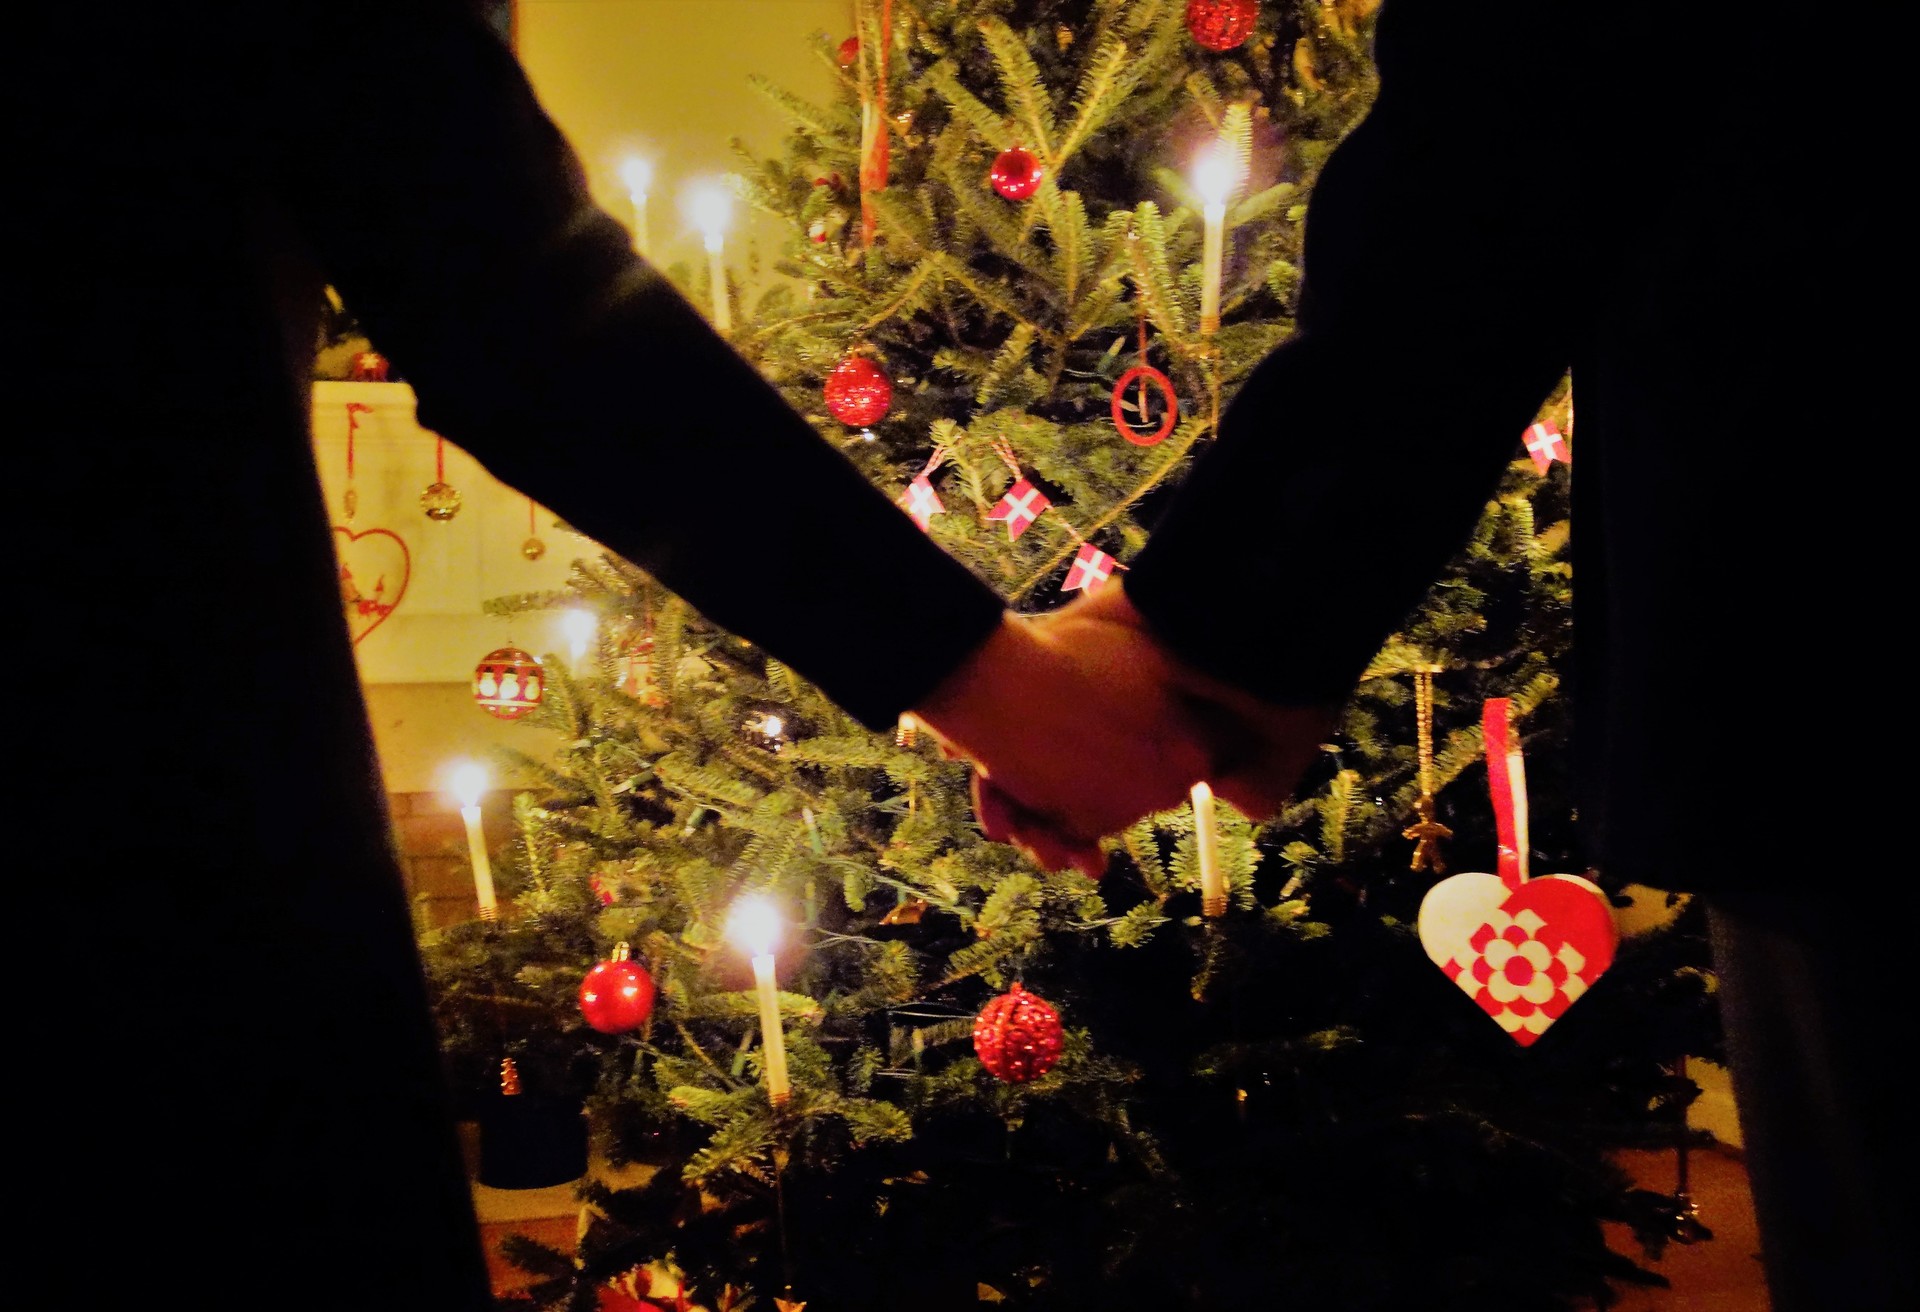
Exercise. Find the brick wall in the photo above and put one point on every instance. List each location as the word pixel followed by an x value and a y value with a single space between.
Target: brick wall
pixel 433 852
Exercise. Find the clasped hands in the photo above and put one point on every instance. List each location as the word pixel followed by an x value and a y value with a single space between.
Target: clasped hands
pixel 1079 723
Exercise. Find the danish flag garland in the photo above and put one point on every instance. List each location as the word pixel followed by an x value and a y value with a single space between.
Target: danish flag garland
pixel 1022 504
pixel 1090 568
pixel 1546 445
pixel 1523 950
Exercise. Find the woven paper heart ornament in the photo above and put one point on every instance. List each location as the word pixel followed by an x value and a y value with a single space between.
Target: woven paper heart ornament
pixel 1524 950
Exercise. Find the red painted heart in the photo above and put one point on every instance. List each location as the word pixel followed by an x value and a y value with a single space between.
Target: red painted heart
pixel 1524 954
pixel 370 563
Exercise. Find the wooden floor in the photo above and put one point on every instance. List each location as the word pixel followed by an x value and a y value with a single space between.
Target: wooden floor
pixel 1718 1275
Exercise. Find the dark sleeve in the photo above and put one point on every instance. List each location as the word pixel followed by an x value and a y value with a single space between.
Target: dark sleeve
pixel 456 222
pixel 1357 457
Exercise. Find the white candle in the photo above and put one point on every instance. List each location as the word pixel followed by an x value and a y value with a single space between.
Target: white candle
pixel 469 782
pixel 579 625
pixel 1206 846
pixel 1213 178
pixel 638 175
pixel 754 925
pixel 710 214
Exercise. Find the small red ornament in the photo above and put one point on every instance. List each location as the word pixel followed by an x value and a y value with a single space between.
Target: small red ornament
pixel 859 392
pixel 368 367
pixel 617 995
pixel 849 52
pixel 1222 24
pixel 508 683
pixel 1016 173
pixel 1017 1036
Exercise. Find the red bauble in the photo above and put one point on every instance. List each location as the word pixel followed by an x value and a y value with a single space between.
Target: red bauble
pixel 368 367
pixel 508 683
pixel 1017 1036
pixel 1222 24
pixel 859 392
pixel 849 51
pixel 1016 173
pixel 617 995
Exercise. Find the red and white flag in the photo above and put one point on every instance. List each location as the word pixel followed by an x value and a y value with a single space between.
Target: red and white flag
pixel 1545 445
pixel 921 502
pixel 1022 504
pixel 1090 569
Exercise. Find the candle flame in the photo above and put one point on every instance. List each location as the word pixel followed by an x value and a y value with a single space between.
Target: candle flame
pixel 754 926
pixel 469 782
pixel 637 173
pixel 1214 175
pixel 579 625
pixel 710 208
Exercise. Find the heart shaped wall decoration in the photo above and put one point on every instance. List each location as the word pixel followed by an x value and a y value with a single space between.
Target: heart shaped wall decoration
pixel 1523 950
pixel 374 568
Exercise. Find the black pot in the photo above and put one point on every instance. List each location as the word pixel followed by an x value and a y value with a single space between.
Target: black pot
pixel 528 1141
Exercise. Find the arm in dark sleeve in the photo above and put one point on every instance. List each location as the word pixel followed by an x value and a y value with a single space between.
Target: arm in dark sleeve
pixel 1357 457
pixel 456 222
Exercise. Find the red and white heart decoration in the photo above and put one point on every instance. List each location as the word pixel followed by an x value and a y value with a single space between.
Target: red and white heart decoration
pixel 1524 950
pixel 374 568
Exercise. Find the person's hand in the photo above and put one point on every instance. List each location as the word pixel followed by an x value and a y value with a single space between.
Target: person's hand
pixel 1075 730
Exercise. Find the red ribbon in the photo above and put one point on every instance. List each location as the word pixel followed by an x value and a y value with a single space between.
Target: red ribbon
pixel 1507 780
pixel 354 410
pixel 439 459
pixel 874 143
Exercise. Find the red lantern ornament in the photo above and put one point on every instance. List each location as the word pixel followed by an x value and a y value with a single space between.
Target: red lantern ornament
pixel 859 392
pixel 1017 1036
pixel 849 52
pixel 1016 173
pixel 1221 24
pixel 508 683
pixel 617 995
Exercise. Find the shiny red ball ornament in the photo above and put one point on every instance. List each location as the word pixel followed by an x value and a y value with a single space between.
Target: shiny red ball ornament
pixel 1016 173
pixel 849 52
pixel 508 683
pixel 1222 24
pixel 617 995
pixel 1017 1036
pixel 859 393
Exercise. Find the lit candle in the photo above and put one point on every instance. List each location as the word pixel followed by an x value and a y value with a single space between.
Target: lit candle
pixel 469 782
pixel 638 175
pixel 710 214
pixel 753 926
pixel 1206 846
pixel 1213 178
pixel 579 626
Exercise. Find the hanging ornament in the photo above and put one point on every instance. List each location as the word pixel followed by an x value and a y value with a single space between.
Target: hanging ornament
pixel 509 1079
pixel 367 367
pixel 533 548
pixel 921 501
pixel 1016 173
pixel 908 911
pixel 1017 1036
pixel 849 53
pixel 1426 832
pixel 1221 24
pixel 605 893
pixel 373 553
pixel 508 683
pixel 1523 950
pixel 1546 445
pixel 617 995
pixel 858 392
pixel 1141 377
pixel 1090 568
pixel 441 501
pixel 875 141
pixel 905 731
pixel 636 671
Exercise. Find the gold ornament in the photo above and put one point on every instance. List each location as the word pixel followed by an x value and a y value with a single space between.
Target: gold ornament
pixel 533 548
pixel 509 1078
pixel 1064 36
pixel 905 731
pixel 790 1304
pixel 441 501
pixel 909 912
pixel 1426 832
pixel 350 503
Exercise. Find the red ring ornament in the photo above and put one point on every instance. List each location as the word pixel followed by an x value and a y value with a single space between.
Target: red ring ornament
pixel 1167 421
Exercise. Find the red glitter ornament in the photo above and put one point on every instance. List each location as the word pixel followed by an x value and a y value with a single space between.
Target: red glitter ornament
pixel 1017 1036
pixel 1016 173
pixel 1221 24
pixel 617 995
pixel 849 51
pixel 859 392
pixel 508 683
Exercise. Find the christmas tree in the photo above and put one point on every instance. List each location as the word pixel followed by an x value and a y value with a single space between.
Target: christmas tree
pixel 998 305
